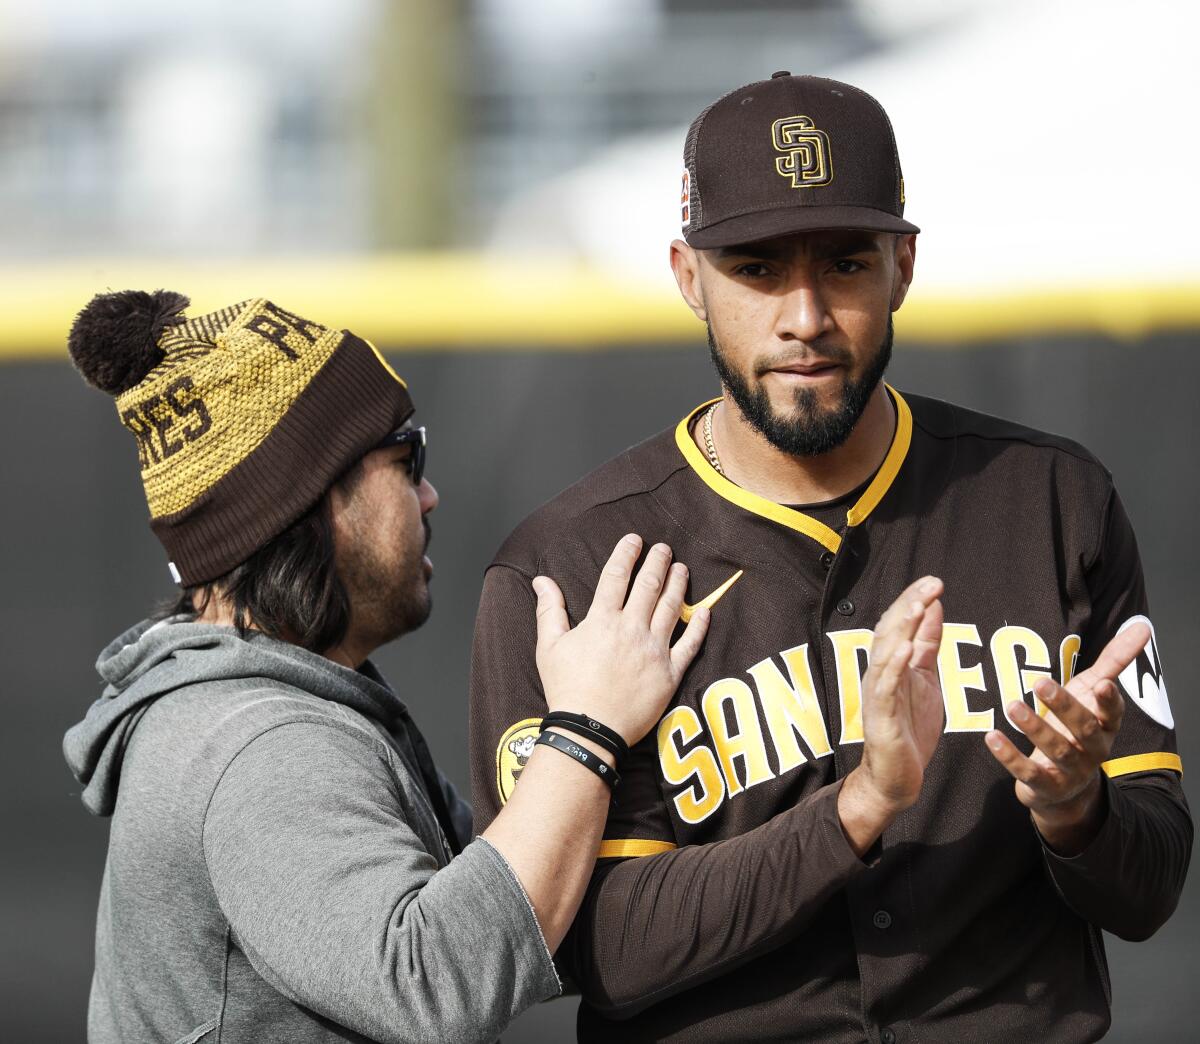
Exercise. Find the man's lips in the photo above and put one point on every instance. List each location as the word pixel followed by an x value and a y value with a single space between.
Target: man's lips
pixel 816 368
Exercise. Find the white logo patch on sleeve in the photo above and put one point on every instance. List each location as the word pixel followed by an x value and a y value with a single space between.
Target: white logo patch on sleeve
pixel 1143 681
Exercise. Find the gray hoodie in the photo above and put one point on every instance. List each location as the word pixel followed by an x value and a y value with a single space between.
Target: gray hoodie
pixel 276 870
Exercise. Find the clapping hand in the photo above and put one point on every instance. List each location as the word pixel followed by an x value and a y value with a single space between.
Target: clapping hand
pixel 1059 782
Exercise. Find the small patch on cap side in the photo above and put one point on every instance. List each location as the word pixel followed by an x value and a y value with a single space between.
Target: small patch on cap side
pixel 174 572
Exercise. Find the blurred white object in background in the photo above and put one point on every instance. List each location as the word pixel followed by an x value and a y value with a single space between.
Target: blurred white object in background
pixel 105 148
pixel 618 212
pixel 1049 144
pixel 196 129
pixel 541 32
pixel 895 21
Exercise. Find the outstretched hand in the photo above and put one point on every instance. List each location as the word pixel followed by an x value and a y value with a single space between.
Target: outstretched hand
pixel 1059 782
pixel 619 668
pixel 618 665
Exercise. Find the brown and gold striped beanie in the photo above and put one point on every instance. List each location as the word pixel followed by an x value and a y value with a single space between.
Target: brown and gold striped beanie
pixel 243 417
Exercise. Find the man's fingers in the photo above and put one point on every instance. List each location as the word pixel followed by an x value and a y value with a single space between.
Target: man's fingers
pixel 1021 768
pixel 614 577
pixel 883 688
pixel 648 584
pixel 924 591
pixel 1114 657
pixel 666 611
pixel 1078 719
pixel 552 619
pixel 902 618
pixel 684 650
pixel 1044 736
pixel 1110 706
pixel 900 627
pixel 928 639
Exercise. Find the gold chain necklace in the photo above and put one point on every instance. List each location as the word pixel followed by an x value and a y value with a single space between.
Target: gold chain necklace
pixel 713 459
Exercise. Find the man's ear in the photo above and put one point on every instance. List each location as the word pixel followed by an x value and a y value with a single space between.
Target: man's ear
pixel 685 263
pixel 906 258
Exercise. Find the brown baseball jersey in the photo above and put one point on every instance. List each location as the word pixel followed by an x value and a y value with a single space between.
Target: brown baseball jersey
pixel 727 904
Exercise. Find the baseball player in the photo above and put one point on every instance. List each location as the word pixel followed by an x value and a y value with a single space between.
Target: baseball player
pixel 790 857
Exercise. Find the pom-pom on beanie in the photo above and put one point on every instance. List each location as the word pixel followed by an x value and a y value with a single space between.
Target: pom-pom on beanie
pixel 243 418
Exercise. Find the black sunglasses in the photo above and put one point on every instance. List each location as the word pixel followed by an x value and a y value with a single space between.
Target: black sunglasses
pixel 414 437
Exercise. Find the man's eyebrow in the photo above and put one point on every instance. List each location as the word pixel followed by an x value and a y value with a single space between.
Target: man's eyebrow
pixel 823 248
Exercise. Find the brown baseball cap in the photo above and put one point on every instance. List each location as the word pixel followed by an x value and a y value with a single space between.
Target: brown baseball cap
pixel 790 154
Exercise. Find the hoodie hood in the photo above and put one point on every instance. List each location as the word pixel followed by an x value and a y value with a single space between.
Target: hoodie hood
pixel 155 658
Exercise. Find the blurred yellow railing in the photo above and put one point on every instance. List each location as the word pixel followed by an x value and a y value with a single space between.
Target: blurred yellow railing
pixel 474 302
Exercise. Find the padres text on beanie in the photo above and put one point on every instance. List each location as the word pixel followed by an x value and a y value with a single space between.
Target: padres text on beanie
pixel 243 418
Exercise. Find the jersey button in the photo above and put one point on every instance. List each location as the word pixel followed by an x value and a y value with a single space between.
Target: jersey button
pixel 827 559
pixel 845 607
pixel 882 920
pixel 888 1035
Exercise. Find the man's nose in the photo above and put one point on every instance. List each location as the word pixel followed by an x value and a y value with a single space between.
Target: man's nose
pixel 802 315
pixel 427 496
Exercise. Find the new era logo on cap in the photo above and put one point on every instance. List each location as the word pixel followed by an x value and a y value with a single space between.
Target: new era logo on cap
pixel 790 154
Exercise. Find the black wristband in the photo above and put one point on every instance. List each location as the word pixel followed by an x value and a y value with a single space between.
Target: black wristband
pixel 582 730
pixel 610 738
pixel 581 754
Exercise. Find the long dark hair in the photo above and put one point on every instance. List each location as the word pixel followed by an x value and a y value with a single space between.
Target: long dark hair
pixel 288 589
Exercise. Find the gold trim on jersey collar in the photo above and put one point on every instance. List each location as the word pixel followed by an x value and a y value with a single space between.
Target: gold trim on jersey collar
pixel 790 517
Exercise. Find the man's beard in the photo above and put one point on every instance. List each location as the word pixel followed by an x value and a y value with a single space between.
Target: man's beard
pixel 808 431
pixel 387 599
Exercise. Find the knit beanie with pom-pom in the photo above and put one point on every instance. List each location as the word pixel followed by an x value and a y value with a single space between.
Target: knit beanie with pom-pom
pixel 243 418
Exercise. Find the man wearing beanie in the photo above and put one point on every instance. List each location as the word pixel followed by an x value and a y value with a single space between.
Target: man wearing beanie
pixel 285 861
pixel 799 855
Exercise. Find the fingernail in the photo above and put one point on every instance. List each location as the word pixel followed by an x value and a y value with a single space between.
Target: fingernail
pixel 538 583
pixel 633 538
pixel 993 742
pixel 928 585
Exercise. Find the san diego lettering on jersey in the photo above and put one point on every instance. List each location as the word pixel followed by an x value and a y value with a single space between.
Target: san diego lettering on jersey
pixel 723 749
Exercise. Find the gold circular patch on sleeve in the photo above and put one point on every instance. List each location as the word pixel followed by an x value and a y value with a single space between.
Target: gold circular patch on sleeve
pixel 512 752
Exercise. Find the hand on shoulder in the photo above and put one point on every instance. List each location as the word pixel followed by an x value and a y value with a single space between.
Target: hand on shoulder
pixel 618 665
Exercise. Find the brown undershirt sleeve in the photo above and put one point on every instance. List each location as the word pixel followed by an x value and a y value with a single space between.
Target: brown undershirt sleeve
pixel 1128 880
pixel 654 926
